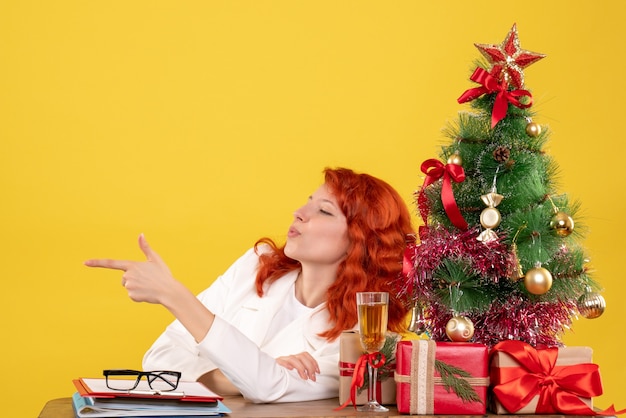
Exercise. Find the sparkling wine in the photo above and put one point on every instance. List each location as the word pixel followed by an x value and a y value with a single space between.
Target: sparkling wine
pixel 373 325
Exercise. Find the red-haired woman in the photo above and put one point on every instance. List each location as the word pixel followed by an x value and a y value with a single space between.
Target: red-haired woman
pixel 268 327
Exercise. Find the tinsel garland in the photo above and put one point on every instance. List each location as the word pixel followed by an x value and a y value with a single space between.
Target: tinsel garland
pixel 513 315
pixel 490 260
pixel 538 324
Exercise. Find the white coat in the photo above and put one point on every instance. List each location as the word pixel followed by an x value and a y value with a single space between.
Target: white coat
pixel 237 343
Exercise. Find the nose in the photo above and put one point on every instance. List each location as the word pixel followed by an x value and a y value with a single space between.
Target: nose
pixel 300 214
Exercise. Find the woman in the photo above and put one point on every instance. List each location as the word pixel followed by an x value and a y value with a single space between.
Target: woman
pixel 268 328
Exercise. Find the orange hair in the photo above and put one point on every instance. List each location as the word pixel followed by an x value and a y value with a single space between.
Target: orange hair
pixel 379 225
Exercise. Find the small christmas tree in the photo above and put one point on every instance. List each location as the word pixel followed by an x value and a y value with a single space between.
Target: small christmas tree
pixel 498 257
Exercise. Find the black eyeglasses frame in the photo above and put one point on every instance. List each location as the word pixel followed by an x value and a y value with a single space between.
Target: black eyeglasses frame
pixel 170 377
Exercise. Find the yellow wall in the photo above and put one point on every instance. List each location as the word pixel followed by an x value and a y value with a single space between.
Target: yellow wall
pixel 204 124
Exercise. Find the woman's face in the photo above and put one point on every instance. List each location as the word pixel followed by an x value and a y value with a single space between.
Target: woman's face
pixel 319 232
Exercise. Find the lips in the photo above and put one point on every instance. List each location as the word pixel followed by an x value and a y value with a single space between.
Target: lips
pixel 293 232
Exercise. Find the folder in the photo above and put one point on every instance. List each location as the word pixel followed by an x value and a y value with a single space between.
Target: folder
pixel 88 407
pixel 185 392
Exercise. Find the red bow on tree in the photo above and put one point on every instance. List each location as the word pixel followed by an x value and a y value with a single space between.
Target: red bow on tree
pixel 434 170
pixel 490 84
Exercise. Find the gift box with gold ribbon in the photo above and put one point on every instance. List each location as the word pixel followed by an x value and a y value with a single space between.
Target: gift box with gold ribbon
pixel 350 352
pixel 525 380
pixel 441 378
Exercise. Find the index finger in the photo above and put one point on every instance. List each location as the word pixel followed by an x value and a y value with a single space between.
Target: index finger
pixel 108 263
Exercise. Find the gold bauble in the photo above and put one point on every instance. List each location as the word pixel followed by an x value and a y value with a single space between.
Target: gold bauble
pixel 460 329
pixel 490 218
pixel 455 159
pixel 538 280
pixel 533 129
pixel 591 305
pixel 562 224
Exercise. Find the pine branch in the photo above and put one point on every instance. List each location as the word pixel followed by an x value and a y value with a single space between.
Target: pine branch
pixel 461 288
pixel 460 386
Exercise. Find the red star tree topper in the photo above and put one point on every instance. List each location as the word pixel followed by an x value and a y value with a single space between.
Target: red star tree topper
pixel 509 59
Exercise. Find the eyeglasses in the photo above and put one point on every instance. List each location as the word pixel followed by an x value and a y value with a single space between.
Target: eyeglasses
pixel 124 379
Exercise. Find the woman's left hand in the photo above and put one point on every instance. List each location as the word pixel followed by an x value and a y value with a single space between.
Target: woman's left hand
pixel 304 363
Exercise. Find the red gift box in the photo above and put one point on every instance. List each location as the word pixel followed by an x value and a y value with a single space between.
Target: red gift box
pixel 525 380
pixel 441 378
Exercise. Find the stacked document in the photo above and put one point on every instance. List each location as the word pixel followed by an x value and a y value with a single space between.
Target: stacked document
pixel 191 399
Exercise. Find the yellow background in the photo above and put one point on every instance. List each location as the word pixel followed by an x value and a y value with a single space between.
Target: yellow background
pixel 204 124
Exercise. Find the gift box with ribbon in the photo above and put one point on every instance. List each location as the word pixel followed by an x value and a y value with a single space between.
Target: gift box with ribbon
pixel 350 354
pixel 441 378
pixel 525 380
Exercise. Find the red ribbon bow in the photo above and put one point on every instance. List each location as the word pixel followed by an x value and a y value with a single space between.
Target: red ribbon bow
pixel 375 360
pixel 559 388
pixel 434 170
pixel 490 84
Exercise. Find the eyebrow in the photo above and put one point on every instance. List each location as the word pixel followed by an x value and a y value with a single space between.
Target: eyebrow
pixel 325 200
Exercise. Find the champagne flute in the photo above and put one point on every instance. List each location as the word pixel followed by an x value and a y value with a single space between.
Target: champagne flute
pixel 373 314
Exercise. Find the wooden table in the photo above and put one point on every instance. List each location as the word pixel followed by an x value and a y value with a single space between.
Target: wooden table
pixel 62 408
